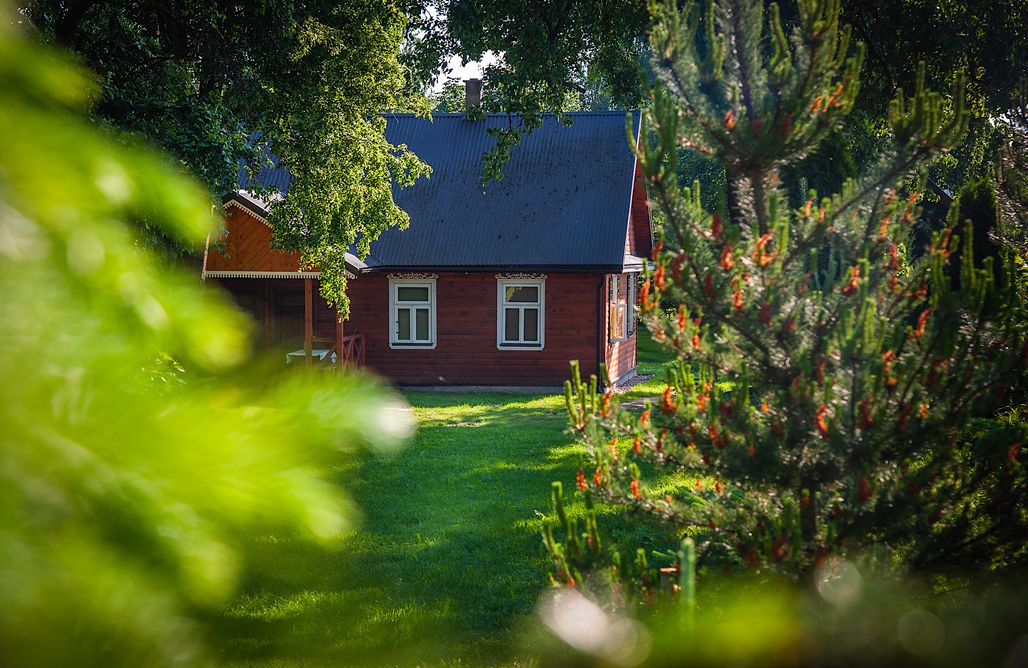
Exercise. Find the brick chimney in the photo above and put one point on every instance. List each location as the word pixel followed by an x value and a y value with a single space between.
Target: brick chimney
pixel 472 94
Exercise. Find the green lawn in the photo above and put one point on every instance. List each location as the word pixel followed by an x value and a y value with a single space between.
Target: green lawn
pixel 447 565
pixel 652 361
pixel 448 559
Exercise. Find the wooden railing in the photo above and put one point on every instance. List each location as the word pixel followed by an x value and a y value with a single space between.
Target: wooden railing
pixel 350 356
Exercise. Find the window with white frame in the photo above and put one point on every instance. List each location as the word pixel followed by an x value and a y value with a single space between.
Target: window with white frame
pixel 520 314
pixel 412 311
pixel 617 315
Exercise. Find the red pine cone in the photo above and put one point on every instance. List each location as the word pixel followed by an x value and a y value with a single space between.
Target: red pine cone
pixel 819 420
pixel 854 282
pixel 667 403
pixel 727 258
pixel 715 225
pixel 765 313
pixel 863 490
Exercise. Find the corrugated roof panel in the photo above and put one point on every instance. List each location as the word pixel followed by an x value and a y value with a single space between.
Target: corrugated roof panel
pixel 268 176
pixel 564 198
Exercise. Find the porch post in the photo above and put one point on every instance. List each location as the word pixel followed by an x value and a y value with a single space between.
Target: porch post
pixel 266 304
pixel 339 340
pixel 308 322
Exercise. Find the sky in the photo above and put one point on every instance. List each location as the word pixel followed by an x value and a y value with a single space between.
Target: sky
pixel 455 68
pixel 462 72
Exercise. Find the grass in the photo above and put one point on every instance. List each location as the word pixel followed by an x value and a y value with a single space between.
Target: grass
pixel 651 360
pixel 448 561
pixel 448 564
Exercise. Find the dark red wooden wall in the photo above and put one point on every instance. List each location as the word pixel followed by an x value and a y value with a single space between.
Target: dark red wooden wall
pixel 466 352
pixel 640 230
pixel 276 307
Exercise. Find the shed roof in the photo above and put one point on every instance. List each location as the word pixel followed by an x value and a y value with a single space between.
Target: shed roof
pixel 563 202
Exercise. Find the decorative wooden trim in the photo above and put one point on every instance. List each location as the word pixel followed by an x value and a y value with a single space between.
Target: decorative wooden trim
pixel 412 276
pixel 264 274
pixel 243 207
pixel 521 277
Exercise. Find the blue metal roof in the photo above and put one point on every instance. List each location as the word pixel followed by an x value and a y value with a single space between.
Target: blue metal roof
pixel 563 202
pixel 268 176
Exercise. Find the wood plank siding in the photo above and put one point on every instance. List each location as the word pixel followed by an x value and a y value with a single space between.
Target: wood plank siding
pixel 640 230
pixel 466 319
pixel 246 246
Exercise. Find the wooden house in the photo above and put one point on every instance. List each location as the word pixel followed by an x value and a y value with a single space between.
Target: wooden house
pixel 499 284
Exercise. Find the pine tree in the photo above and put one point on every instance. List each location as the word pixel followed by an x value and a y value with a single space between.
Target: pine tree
pixel 825 373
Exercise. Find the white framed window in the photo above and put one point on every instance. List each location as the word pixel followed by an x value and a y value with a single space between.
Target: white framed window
pixel 520 314
pixel 617 315
pixel 412 313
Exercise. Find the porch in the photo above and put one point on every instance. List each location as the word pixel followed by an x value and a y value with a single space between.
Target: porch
pixel 291 317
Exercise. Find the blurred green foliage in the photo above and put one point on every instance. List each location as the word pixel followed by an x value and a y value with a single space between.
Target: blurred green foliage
pixel 846 617
pixel 138 442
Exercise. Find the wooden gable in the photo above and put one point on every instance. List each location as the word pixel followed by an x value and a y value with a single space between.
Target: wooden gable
pixel 246 246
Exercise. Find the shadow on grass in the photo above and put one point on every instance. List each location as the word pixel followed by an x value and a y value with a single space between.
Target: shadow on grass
pixel 447 562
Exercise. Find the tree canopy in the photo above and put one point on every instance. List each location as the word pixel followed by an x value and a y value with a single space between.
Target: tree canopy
pixel 548 51
pixel 216 83
pixel 552 51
